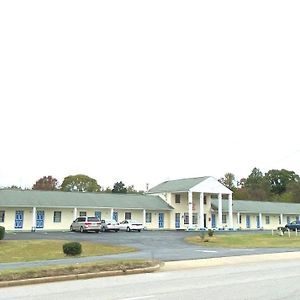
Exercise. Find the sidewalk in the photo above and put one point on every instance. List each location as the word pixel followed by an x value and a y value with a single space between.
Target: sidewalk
pixel 219 261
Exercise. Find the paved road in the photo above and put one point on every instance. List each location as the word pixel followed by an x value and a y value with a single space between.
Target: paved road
pixel 260 280
pixel 160 245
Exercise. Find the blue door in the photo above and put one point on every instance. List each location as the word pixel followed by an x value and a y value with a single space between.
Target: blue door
pixel 257 222
pixel 98 214
pixel 161 220
pixel 40 219
pixel 19 219
pixel 177 220
pixel 247 221
pixel 115 216
pixel 213 221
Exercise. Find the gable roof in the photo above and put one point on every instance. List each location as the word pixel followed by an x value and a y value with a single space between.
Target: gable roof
pixel 265 207
pixel 58 199
pixel 179 185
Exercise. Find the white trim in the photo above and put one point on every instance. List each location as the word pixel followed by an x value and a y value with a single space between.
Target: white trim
pixel 220 223
pixel 230 211
pixel 201 211
pixel 190 203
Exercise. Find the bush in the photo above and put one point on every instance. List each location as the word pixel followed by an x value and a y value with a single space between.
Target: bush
pixel 2 232
pixel 202 235
pixel 210 232
pixel 73 248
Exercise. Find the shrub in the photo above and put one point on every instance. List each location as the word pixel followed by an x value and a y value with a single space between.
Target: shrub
pixel 72 248
pixel 210 232
pixel 2 232
pixel 202 235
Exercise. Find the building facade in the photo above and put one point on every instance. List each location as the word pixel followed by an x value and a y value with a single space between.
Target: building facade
pixel 184 204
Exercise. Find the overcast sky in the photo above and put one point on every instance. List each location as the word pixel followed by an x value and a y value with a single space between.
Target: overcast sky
pixel 146 91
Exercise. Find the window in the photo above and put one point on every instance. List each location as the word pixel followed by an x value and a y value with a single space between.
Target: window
pixel 148 217
pixel 82 213
pixel 279 219
pixel 186 218
pixel 224 219
pixel 127 215
pixel 195 218
pixel 297 218
pixel 240 219
pixel 177 198
pixel 57 217
pixel 267 219
pixel 204 200
pixel 288 219
pixel 2 216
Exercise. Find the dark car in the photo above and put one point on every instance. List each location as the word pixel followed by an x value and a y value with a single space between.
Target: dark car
pixel 295 225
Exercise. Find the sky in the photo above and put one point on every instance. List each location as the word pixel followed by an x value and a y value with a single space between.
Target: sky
pixel 148 91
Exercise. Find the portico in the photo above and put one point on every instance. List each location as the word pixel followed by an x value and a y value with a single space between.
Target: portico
pixel 192 196
pixel 200 224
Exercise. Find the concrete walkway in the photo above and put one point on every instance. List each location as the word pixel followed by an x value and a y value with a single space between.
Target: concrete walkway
pixel 219 261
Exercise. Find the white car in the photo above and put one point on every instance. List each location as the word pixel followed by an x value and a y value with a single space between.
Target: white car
pixel 84 224
pixel 130 225
pixel 110 225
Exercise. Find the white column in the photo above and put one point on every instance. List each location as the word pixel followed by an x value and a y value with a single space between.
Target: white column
pixel 238 219
pixel 260 220
pixel 220 211
pixel 74 213
pixel 144 217
pixel 33 226
pixel 230 211
pixel 190 202
pixel 281 219
pixel 112 214
pixel 201 211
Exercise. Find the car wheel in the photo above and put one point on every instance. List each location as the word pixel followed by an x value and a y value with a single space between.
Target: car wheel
pixel 81 229
pixel 116 230
pixel 127 229
pixel 139 230
pixel 103 229
pixel 97 231
pixel 71 228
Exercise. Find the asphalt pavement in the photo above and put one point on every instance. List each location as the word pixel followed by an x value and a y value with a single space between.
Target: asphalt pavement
pixel 159 245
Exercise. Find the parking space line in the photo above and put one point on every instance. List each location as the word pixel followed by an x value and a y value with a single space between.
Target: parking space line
pixel 207 251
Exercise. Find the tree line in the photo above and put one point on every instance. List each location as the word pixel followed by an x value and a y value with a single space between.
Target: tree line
pixel 78 183
pixel 274 185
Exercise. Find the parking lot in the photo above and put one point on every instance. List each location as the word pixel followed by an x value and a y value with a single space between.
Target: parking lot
pixel 161 245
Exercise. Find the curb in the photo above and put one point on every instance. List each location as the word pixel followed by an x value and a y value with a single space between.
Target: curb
pixel 78 276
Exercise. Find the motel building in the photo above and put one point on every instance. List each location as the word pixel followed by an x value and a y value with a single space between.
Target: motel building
pixel 184 204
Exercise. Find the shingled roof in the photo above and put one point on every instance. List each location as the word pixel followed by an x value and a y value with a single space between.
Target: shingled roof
pixel 56 199
pixel 179 185
pixel 265 207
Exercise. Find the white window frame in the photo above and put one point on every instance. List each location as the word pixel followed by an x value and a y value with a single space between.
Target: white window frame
pixel 127 213
pixel 224 218
pixel 2 216
pixel 57 216
pixel 148 217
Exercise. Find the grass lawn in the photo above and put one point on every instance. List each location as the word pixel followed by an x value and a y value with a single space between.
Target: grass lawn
pixel 48 271
pixel 15 251
pixel 247 241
